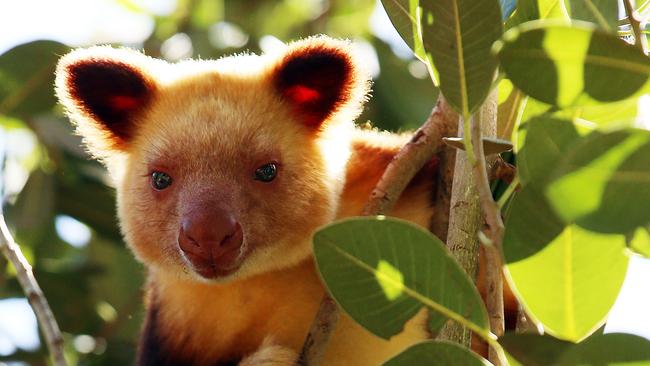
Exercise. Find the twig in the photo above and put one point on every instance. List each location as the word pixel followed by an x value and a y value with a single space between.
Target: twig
pixel 492 215
pixel 408 161
pixel 635 23
pixel 319 335
pixel 34 294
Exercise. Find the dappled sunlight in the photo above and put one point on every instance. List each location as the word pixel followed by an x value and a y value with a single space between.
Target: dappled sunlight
pixel 584 187
pixel 390 279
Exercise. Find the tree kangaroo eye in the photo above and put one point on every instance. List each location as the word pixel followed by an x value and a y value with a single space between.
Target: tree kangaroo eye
pixel 160 180
pixel 266 172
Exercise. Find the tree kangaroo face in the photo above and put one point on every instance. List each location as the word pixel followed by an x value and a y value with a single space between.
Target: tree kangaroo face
pixel 224 168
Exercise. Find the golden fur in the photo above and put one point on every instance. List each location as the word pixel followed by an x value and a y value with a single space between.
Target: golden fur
pixel 209 124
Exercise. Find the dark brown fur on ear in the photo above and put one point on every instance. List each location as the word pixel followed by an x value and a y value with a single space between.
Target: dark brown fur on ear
pixel 316 79
pixel 111 92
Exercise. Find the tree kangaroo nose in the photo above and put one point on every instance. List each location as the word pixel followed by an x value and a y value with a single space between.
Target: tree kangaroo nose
pixel 210 237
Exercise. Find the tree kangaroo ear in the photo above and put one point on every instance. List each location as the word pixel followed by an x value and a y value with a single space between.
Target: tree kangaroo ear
pixel 319 77
pixel 105 91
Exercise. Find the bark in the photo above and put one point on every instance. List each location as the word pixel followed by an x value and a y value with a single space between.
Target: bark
pixel 466 221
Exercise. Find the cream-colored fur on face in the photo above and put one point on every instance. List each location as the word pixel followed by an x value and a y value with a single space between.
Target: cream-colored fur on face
pixel 210 124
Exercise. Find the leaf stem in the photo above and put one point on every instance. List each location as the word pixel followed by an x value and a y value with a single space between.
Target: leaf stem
pixel 467 139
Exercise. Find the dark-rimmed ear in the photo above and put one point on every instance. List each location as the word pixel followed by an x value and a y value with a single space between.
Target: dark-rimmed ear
pixel 319 77
pixel 104 91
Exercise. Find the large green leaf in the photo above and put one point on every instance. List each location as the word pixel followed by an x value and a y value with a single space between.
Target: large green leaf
pixel 598 67
pixel 598 116
pixel 599 349
pixel 27 76
pixel 609 349
pixel 437 353
pixel 532 349
pixel 461 33
pixel 382 271
pixel 602 182
pixel 604 13
pixel 566 277
pixel 547 140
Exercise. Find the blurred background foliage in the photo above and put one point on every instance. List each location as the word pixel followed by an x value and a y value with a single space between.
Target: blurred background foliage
pixel 61 206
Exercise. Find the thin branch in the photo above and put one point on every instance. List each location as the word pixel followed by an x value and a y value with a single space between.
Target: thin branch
pixel 635 23
pixel 319 335
pixel 408 161
pixel 492 215
pixel 34 294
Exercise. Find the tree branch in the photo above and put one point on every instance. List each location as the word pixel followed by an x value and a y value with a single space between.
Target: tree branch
pixel 464 223
pixel 408 161
pixel 34 294
pixel 439 224
pixel 492 215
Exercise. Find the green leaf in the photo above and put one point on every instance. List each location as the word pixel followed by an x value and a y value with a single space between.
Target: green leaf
pixel 609 349
pixel 566 277
pixel 603 13
pixel 27 76
pixel 547 140
pixel 534 350
pixel 598 116
pixel 602 182
pixel 599 349
pixel 437 353
pixel 461 33
pixel 598 67
pixel 382 271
